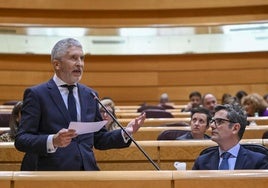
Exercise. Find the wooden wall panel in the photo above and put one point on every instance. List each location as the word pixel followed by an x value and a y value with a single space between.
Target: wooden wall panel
pixel 106 13
pixel 137 79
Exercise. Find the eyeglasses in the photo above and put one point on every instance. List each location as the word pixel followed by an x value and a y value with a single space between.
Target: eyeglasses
pixel 219 121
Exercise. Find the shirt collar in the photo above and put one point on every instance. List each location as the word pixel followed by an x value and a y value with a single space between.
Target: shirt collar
pixel 59 82
pixel 234 150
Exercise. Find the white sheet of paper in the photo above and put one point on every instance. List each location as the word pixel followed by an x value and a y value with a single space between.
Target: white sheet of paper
pixel 86 127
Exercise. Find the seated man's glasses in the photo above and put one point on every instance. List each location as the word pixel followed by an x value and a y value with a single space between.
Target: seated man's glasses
pixel 219 121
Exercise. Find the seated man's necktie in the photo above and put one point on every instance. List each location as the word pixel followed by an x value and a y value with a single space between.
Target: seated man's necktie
pixel 224 163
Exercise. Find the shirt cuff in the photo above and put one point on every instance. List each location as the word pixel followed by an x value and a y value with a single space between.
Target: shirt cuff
pixel 125 138
pixel 50 146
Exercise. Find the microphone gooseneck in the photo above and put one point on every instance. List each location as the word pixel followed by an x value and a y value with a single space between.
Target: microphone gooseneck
pixel 122 128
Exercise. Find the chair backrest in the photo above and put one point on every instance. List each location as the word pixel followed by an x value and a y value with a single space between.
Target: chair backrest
pixel 265 135
pixel 4 119
pixel 166 106
pixel 252 147
pixel 171 134
pixel 149 107
pixel 153 113
pixel 176 124
pixel 11 102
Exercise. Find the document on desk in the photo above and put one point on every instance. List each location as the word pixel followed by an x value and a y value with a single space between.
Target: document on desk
pixel 87 127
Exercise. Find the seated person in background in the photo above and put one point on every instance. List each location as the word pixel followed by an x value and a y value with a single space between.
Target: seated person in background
pixel 209 101
pixel 225 97
pixel 255 105
pixel 109 104
pixel 265 97
pixel 195 101
pixel 13 124
pixel 200 118
pixel 231 100
pixel 164 102
pixel 228 126
pixel 240 94
pixel 29 160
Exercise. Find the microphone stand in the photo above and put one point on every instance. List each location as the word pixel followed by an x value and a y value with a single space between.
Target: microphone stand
pixel 122 128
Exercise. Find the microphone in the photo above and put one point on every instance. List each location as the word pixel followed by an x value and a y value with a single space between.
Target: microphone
pixel 122 128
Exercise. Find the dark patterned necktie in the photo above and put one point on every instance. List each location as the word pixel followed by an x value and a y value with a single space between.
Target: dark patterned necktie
pixel 224 163
pixel 71 102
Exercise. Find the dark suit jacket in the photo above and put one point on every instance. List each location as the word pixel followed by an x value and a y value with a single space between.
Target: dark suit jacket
pixel 44 113
pixel 246 159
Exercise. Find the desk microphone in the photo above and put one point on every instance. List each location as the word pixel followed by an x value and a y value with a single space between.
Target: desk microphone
pixel 122 128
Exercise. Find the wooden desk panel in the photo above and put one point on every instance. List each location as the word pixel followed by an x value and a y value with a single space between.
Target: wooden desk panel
pixel 221 179
pixel 163 153
pixel 151 133
pixel 5 179
pixel 148 179
pixel 102 179
pixel 151 122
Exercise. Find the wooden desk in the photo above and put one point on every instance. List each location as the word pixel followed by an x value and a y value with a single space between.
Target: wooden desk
pixel 150 122
pixel 163 153
pixel 259 120
pixel 10 157
pixel 102 179
pixel 221 179
pixel 150 179
pixel 151 133
pixel 5 179
pixel 123 115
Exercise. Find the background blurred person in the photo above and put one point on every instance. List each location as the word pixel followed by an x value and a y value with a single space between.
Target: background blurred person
pixel 240 94
pixel 13 124
pixel 255 105
pixel 110 106
pixel 195 101
pixel 209 101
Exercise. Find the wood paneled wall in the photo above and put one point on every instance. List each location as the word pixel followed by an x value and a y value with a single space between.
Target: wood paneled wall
pixel 107 13
pixel 136 79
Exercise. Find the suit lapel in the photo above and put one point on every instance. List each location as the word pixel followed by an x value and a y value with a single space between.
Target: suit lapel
pixel 241 159
pixel 83 101
pixel 215 160
pixel 57 99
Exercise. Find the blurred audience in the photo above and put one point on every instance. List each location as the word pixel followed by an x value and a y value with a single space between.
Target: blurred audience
pixel 195 101
pixel 255 105
pixel 13 124
pixel 209 101
pixel 240 94
pixel 225 97
pixel 110 106
pixel 165 102
pixel 265 97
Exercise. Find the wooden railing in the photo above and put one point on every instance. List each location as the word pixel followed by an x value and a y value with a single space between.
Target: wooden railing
pixel 134 179
pixel 163 153
pixel 105 13
pixel 131 82
pixel 152 122
pixel 151 133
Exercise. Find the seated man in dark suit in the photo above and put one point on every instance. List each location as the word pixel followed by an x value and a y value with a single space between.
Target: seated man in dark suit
pixel 199 123
pixel 228 126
